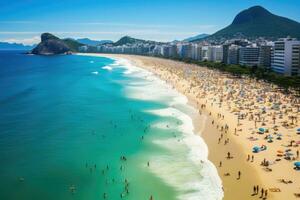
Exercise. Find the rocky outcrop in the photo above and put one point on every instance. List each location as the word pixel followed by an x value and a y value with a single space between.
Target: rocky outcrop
pixel 51 45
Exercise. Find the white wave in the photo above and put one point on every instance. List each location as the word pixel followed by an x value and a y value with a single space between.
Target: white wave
pixel 192 181
pixel 195 179
pixel 96 73
pixel 185 166
pixel 91 61
pixel 107 67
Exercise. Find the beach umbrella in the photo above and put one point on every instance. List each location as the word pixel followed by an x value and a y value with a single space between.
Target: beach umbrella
pixel 256 149
pixel 261 130
pixel 297 164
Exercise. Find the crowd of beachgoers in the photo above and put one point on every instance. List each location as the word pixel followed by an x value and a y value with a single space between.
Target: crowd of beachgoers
pixel 260 117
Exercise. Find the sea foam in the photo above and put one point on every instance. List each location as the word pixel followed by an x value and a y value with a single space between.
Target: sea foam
pixel 186 167
pixel 107 67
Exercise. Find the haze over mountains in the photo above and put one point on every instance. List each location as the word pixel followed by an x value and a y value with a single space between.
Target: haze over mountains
pixel 15 46
pixel 258 22
pixel 91 42
pixel 197 37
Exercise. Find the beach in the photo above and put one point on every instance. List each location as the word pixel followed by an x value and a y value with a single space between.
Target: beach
pixel 249 126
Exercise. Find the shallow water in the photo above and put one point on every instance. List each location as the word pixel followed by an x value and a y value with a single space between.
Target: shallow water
pixel 64 119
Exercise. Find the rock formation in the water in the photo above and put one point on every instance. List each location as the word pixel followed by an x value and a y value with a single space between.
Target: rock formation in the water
pixel 51 45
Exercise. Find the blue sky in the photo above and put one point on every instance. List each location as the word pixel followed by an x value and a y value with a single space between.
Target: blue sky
pixel 162 20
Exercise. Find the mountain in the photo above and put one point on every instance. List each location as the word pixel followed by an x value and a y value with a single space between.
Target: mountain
pixel 90 42
pixel 72 44
pixel 15 46
pixel 258 22
pixel 51 44
pixel 128 40
pixel 197 37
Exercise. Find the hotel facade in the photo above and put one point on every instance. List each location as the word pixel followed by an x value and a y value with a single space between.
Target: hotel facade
pixel 286 57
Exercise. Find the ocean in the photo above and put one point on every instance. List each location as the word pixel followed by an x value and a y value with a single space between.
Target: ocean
pixel 83 127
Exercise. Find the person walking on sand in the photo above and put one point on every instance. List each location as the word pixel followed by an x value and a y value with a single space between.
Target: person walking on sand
pixel 262 193
pixel 239 175
pixel 220 165
pixel 266 194
pixel 254 190
pixel 257 189
pixel 228 155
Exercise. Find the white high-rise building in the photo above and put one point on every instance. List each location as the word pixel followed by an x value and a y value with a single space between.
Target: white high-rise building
pixel 196 51
pixel 215 53
pixel 286 57
pixel 185 50
pixel 204 53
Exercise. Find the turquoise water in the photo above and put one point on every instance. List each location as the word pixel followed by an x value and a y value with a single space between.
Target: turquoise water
pixel 65 121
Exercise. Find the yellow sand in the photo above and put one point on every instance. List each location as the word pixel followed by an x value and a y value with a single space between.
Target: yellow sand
pixel 220 98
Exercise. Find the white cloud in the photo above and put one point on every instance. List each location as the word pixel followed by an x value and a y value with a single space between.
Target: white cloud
pixel 26 41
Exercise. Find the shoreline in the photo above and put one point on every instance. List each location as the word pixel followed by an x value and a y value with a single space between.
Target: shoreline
pixel 251 172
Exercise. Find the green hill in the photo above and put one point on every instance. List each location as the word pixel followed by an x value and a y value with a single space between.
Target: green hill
pixel 128 40
pixel 72 44
pixel 258 22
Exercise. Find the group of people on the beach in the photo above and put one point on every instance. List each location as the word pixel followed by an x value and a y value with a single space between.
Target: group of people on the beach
pixel 263 192
pixel 263 116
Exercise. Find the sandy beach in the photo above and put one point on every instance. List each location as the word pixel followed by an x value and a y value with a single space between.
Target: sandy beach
pixel 250 127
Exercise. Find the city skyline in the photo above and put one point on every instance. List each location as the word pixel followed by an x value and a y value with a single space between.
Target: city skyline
pixel 24 21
